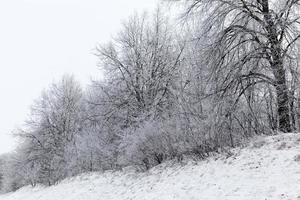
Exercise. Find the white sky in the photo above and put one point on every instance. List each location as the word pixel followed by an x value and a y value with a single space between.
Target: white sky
pixel 40 40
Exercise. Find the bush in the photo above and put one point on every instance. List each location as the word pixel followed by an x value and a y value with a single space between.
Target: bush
pixel 155 142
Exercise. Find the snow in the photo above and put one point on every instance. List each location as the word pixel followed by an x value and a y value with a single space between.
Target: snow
pixel 267 169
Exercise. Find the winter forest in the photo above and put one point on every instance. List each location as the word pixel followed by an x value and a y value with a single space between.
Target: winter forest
pixel 202 82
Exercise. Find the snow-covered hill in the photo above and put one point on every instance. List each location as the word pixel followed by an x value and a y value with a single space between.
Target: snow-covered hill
pixel 269 168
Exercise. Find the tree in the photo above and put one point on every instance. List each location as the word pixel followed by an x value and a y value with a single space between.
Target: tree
pixel 49 137
pixel 251 42
pixel 141 67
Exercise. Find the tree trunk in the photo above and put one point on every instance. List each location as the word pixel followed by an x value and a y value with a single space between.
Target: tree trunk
pixel 292 107
pixel 276 62
pixel 282 92
pixel 282 100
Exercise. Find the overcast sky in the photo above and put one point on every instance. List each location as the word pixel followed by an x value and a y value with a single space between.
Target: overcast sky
pixel 40 40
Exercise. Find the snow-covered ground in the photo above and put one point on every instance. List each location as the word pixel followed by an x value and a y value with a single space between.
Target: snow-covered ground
pixel 269 168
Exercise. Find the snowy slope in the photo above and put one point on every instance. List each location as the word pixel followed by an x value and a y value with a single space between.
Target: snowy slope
pixel 269 168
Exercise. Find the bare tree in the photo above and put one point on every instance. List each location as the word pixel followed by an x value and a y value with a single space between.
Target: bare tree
pixel 49 136
pixel 141 66
pixel 251 40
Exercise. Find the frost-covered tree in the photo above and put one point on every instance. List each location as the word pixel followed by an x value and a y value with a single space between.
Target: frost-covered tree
pixel 141 66
pixel 251 42
pixel 49 136
pixel 142 70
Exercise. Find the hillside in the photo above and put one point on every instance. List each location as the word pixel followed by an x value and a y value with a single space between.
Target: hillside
pixel 268 168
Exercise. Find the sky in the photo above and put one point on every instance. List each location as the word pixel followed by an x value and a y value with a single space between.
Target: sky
pixel 40 40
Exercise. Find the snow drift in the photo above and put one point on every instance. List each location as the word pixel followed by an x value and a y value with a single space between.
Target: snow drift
pixel 268 168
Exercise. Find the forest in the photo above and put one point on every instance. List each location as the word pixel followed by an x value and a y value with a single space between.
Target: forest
pixel 207 81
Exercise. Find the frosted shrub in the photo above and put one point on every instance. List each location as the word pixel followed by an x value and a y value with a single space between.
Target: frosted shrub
pixel 156 142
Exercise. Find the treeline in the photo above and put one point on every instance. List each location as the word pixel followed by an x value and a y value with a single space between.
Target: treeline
pixel 229 72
